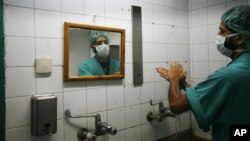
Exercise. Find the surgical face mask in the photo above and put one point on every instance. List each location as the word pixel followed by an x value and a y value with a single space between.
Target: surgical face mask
pixel 220 43
pixel 102 50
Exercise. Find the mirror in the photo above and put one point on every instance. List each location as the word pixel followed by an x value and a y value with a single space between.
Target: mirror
pixel 93 52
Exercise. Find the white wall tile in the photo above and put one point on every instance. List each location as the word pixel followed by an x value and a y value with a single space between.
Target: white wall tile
pixel 129 74
pixel 147 13
pixel 182 4
pixel 199 17
pixel 126 4
pixel 171 16
pixel 51 48
pixel 94 7
pixel 128 30
pixel 77 6
pixel 148 72
pixel 120 136
pixel 161 130
pixel 23 3
pixel 20 134
pixel 95 20
pixel 74 85
pixel 215 2
pixel 199 52
pixel 195 4
pixel 115 23
pixel 128 52
pixel 161 90
pixel 115 97
pixel 147 92
pixel 23 16
pixel 75 101
pixel 51 83
pixel 198 35
pixel 15 78
pixel 159 14
pixel 54 5
pixel 172 52
pixel 182 18
pixel 198 66
pixel 183 53
pixel 160 33
pixel 160 53
pixel 96 100
pixel 67 17
pixel 48 24
pixel 116 118
pixel 96 84
pixel 172 34
pixel 113 9
pixel 147 32
pixel 215 12
pixel 18 112
pixel 20 51
pixel 148 52
pixel 71 127
pixel 133 134
pixel 171 3
pixel 133 116
pixel 148 132
pixel 212 32
pixel 132 95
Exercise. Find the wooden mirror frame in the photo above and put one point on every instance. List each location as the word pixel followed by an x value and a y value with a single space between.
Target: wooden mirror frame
pixel 66 67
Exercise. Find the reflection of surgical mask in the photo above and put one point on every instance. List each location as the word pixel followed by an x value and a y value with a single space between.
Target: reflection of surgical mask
pixel 102 50
pixel 220 41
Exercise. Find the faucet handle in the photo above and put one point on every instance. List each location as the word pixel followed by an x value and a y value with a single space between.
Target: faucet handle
pixel 155 103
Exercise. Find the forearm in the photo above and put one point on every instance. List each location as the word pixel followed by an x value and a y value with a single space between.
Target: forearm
pixel 177 100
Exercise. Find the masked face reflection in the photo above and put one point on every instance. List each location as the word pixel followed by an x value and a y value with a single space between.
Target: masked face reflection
pixel 101 47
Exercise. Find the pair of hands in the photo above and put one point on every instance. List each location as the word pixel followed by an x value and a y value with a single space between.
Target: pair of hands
pixel 175 72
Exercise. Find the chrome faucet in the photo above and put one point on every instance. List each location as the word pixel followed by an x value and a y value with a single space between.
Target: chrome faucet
pixel 101 128
pixel 163 112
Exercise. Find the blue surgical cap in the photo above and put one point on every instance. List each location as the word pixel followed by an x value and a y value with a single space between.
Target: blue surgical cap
pixel 95 34
pixel 238 19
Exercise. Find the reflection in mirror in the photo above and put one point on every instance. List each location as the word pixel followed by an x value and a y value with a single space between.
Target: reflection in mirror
pixel 93 52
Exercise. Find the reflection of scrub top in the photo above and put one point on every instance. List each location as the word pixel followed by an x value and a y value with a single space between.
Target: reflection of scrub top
pixel 223 99
pixel 92 67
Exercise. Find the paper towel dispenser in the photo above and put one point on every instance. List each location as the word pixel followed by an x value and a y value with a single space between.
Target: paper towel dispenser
pixel 43 114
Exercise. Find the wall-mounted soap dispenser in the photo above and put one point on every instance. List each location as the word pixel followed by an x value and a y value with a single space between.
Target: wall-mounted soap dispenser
pixel 43 114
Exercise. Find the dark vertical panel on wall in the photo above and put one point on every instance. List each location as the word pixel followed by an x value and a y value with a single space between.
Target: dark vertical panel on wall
pixel 2 77
pixel 137 45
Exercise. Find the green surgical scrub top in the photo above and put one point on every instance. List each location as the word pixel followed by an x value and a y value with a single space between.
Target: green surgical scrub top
pixel 92 67
pixel 223 99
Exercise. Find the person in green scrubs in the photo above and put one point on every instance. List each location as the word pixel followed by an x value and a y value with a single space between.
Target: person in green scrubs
pixel 223 99
pixel 101 63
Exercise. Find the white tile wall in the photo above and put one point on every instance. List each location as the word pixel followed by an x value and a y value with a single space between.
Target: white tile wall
pixel 132 95
pixel 23 3
pixel 115 97
pixel 133 134
pixel 199 17
pixel 25 19
pixel 76 7
pixel 23 48
pixel 54 5
pixel 34 28
pixel 51 48
pixel 116 118
pixel 215 12
pixel 15 78
pixel 48 24
pixel 195 4
pixel 133 116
